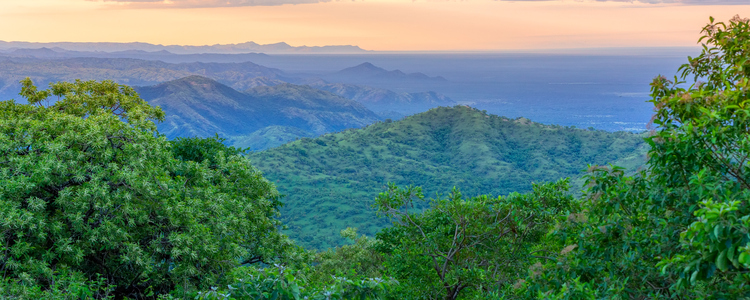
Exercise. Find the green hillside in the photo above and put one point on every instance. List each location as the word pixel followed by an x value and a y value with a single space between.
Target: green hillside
pixel 259 118
pixel 330 181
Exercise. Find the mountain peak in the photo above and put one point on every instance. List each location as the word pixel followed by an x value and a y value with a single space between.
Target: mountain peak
pixel 193 85
pixel 367 65
pixel 366 72
pixel 363 69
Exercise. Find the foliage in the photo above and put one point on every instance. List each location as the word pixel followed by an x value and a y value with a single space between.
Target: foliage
pixel 202 149
pixel 331 180
pixel 87 185
pixel 355 260
pixel 287 284
pixel 475 244
pixel 65 284
pixel 680 229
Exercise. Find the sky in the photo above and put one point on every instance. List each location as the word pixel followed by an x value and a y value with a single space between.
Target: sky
pixel 384 25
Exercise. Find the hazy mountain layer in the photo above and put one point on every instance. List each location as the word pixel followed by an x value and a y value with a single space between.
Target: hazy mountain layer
pixel 163 55
pixel 122 70
pixel 381 101
pixel 239 76
pixel 331 180
pixel 199 106
pixel 181 49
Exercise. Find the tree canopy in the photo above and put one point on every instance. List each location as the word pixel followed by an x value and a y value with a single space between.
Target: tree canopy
pixel 678 229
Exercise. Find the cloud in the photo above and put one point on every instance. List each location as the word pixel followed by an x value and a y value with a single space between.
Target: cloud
pixel 690 2
pixel 234 3
pixel 212 3
pixel 685 2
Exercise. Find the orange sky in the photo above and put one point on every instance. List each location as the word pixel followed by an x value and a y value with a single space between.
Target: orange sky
pixel 370 24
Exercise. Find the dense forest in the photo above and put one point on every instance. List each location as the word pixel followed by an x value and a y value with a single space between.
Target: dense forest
pixel 95 203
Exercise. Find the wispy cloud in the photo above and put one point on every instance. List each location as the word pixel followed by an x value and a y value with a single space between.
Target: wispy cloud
pixel 691 2
pixel 211 3
pixel 235 3
pixel 686 2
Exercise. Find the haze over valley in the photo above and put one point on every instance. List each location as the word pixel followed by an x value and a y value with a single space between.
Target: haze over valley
pixel 605 89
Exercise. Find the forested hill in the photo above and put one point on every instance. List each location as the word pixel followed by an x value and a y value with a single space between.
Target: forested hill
pixel 258 118
pixel 331 181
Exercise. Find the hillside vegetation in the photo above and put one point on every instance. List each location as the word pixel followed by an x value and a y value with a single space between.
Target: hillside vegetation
pixel 330 181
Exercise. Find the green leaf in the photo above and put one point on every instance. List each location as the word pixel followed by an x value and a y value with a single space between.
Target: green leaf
pixel 744 258
pixel 694 277
pixel 721 260
pixel 731 256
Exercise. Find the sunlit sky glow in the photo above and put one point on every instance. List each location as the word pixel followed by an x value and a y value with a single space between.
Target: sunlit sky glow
pixel 396 25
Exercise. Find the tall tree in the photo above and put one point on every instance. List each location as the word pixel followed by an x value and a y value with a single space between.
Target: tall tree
pixel 462 246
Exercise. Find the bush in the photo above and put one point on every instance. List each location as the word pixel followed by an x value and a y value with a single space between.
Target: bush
pixel 287 284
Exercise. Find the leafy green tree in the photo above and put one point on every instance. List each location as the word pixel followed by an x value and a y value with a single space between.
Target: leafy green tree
pixel 87 185
pixel 359 259
pixel 461 246
pixel 679 229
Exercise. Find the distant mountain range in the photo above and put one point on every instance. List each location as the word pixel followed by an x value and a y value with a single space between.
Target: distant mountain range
pixel 217 108
pixel 162 55
pixel 258 118
pixel 381 101
pixel 239 76
pixel 248 47
pixel 332 180
pixel 124 71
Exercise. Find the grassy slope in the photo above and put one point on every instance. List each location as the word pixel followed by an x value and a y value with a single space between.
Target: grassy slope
pixel 331 181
